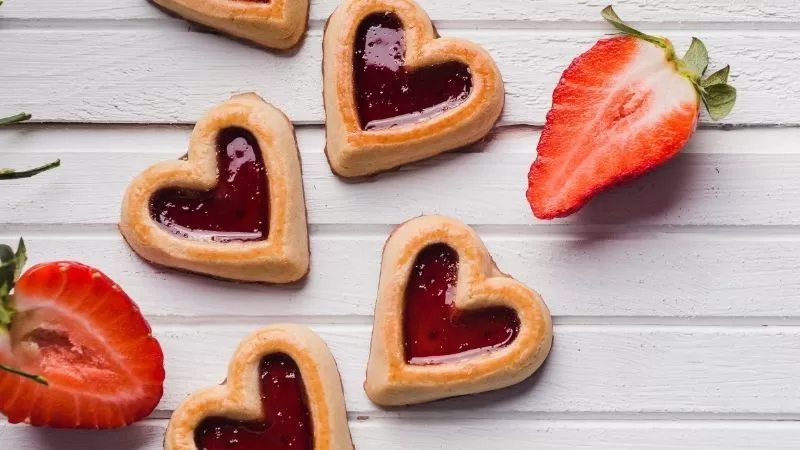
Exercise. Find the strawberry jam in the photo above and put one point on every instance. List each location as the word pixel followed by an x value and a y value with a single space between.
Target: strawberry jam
pixel 286 424
pixel 435 330
pixel 237 209
pixel 387 95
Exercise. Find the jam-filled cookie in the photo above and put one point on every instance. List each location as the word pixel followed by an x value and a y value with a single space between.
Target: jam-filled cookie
pixel 447 321
pixel 396 93
pixel 283 391
pixel 278 24
pixel 234 207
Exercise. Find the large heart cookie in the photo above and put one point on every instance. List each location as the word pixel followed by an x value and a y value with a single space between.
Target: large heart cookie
pixel 283 391
pixel 447 321
pixel 396 93
pixel 275 24
pixel 235 208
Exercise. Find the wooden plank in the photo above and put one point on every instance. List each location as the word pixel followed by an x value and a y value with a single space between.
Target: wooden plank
pixel 583 277
pixel 698 189
pixel 166 76
pixel 592 369
pixel 769 11
pixel 170 140
pixel 439 433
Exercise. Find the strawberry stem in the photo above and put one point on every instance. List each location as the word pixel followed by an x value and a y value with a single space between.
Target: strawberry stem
pixel 11 263
pixel 718 96
pixel 21 117
pixel 37 378
pixel 11 174
pixel 611 17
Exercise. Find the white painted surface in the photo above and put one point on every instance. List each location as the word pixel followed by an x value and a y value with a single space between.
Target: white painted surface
pixel 675 297
pixel 159 72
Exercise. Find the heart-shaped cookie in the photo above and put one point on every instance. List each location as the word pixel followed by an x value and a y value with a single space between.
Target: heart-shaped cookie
pixel 447 321
pixel 283 391
pixel 235 208
pixel 396 93
pixel 275 24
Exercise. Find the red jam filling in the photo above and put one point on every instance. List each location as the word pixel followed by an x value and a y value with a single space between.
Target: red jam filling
pixel 287 422
pixel 387 95
pixel 436 331
pixel 237 209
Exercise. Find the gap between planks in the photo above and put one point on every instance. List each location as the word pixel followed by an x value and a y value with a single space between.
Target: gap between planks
pixel 315 26
pixel 363 325
pixel 646 419
pixel 171 140
pixel 689 324
pixel 9 233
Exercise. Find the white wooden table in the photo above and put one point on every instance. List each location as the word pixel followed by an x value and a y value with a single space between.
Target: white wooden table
pixel 676 299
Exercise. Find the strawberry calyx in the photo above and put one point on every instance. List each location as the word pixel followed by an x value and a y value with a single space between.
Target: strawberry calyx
pixel 11 264
pixel 718 96
pixel 10 174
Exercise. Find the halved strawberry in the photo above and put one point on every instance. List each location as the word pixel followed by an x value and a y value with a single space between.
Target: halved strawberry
pixel 620 109
pixel 97 364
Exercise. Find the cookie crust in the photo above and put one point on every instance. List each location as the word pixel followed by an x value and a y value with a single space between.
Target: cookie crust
pixel 283 257
pixel 353 152
pixel 240 399
pixel 279 24
pixel 392 381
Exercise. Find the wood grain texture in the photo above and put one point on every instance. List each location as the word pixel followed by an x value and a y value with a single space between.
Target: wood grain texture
pixel 583 277
pixel 674 297
pixel 737 188
pixel 591 369
pixel 438 434
pixel 153 75
pixel 720 11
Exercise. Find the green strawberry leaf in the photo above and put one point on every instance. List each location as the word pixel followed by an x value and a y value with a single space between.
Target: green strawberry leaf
pixel 718 77
pixel 11 264
pixel 719 100
pixel 21 256
pixel 611 16
pixel 6 272
pixel 696 58
pixel 6 313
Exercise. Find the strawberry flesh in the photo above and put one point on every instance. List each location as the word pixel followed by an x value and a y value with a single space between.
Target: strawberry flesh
pixel 75 327
pixel 620 109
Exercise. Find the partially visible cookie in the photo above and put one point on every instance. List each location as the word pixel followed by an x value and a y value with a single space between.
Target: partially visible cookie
pixel 277 24
pixel 234 208
pixel 447 321
pixel 283 391
pixel 396 93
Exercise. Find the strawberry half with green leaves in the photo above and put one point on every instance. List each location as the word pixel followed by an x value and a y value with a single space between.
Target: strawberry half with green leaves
pixel 620 109
pixel 96 363
pixel 10 174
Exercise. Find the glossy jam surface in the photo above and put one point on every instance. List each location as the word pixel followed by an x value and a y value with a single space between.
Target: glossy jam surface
pixel 435 330
pixel 387 95
pixel 287 423
pixel 237 209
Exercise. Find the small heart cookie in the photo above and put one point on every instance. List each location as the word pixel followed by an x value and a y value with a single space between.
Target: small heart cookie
pixel 234 208
pixel 447 321
pixel 275 24
pixel 283 391
pixel 396 93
